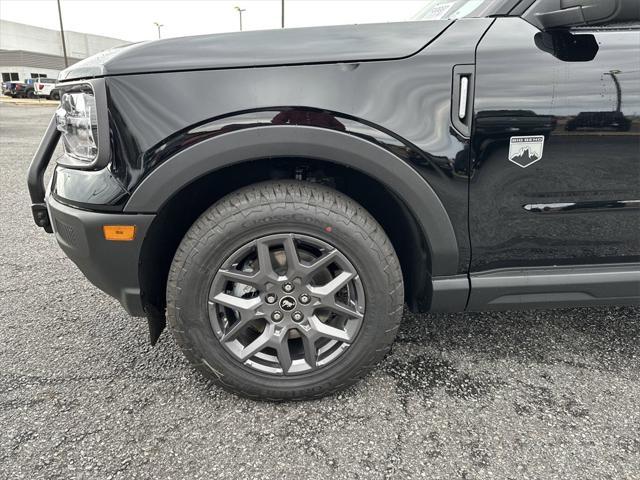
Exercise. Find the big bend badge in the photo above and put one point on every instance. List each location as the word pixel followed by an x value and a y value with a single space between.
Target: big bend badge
pixel 525 151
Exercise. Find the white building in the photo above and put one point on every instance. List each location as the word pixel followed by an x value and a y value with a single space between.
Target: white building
pixel 30 52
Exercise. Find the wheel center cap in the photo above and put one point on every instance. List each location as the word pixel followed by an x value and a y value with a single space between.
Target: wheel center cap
pixel 287 303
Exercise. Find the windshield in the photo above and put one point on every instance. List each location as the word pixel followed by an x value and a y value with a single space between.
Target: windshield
pixel 450 10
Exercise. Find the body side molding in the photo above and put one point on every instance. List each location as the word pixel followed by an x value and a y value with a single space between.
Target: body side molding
pixel 561 286
pixel 311 142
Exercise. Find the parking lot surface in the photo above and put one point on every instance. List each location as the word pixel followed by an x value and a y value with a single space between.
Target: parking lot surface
pixel 541 394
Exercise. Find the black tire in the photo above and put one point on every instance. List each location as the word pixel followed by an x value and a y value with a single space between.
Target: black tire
pixel 302 209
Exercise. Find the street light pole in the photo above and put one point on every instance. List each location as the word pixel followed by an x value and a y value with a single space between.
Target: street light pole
pixel 282 3
pixel 240 10
pixel 158 26
pixel 64 44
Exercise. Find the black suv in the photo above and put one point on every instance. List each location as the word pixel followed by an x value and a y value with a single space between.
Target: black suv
pixel 280 218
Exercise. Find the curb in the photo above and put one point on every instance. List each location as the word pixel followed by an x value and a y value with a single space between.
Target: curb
pixel 28 101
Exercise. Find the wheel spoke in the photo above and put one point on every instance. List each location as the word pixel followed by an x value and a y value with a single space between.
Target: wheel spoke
pixel 333 286
pixel 235 330
pixel 246 307
pixel 256 346
pixel 323 261
pixel 294 267
pixel 343 310
pixel 310 352
pixel 264 259
pixel 284 354
pixel 324 330
pixel 241 277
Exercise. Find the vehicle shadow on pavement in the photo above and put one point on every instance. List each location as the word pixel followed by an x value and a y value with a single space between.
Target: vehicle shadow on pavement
pixel 529 335
pixel 463 354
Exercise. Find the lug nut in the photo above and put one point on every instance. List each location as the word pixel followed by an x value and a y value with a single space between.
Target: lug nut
pixel 304 298
pixel 288 287
pixel 271 298
pixel 297 316
pixel 276 316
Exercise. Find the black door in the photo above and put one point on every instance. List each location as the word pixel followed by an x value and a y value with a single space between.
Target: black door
pixel 556 147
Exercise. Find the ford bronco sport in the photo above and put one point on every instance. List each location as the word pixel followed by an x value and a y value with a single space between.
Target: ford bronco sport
pixel 280 218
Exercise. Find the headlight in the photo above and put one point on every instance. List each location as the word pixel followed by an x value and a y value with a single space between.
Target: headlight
pixel 76 118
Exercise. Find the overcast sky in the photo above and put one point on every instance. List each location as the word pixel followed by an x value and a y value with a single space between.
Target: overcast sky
pixel 132 20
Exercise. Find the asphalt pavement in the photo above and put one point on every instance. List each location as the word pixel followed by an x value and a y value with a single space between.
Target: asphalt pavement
pixel 521 395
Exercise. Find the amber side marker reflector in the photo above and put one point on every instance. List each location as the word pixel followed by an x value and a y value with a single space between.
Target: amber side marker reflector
pixel 119 233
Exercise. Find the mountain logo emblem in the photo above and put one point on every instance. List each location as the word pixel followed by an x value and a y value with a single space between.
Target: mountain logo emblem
pixel 525 151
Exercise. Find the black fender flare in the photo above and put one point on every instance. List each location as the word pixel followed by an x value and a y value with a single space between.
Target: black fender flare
pixel 306 142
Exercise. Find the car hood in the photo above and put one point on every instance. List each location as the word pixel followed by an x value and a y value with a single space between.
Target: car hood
pixel 296 46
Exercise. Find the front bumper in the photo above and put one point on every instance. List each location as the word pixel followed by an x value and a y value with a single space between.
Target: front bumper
pixel 112 266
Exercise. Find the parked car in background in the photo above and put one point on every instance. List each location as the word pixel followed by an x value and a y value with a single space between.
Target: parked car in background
pixel 29 90
pixel 43 87
pixel 13 89
pixel 55 94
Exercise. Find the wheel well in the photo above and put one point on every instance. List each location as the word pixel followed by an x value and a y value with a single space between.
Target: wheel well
pixel 182 210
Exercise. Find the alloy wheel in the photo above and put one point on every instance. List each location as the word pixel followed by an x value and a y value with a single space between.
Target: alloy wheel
pixel 286 304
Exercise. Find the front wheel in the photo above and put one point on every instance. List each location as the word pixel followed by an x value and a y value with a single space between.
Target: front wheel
pixel 285 290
